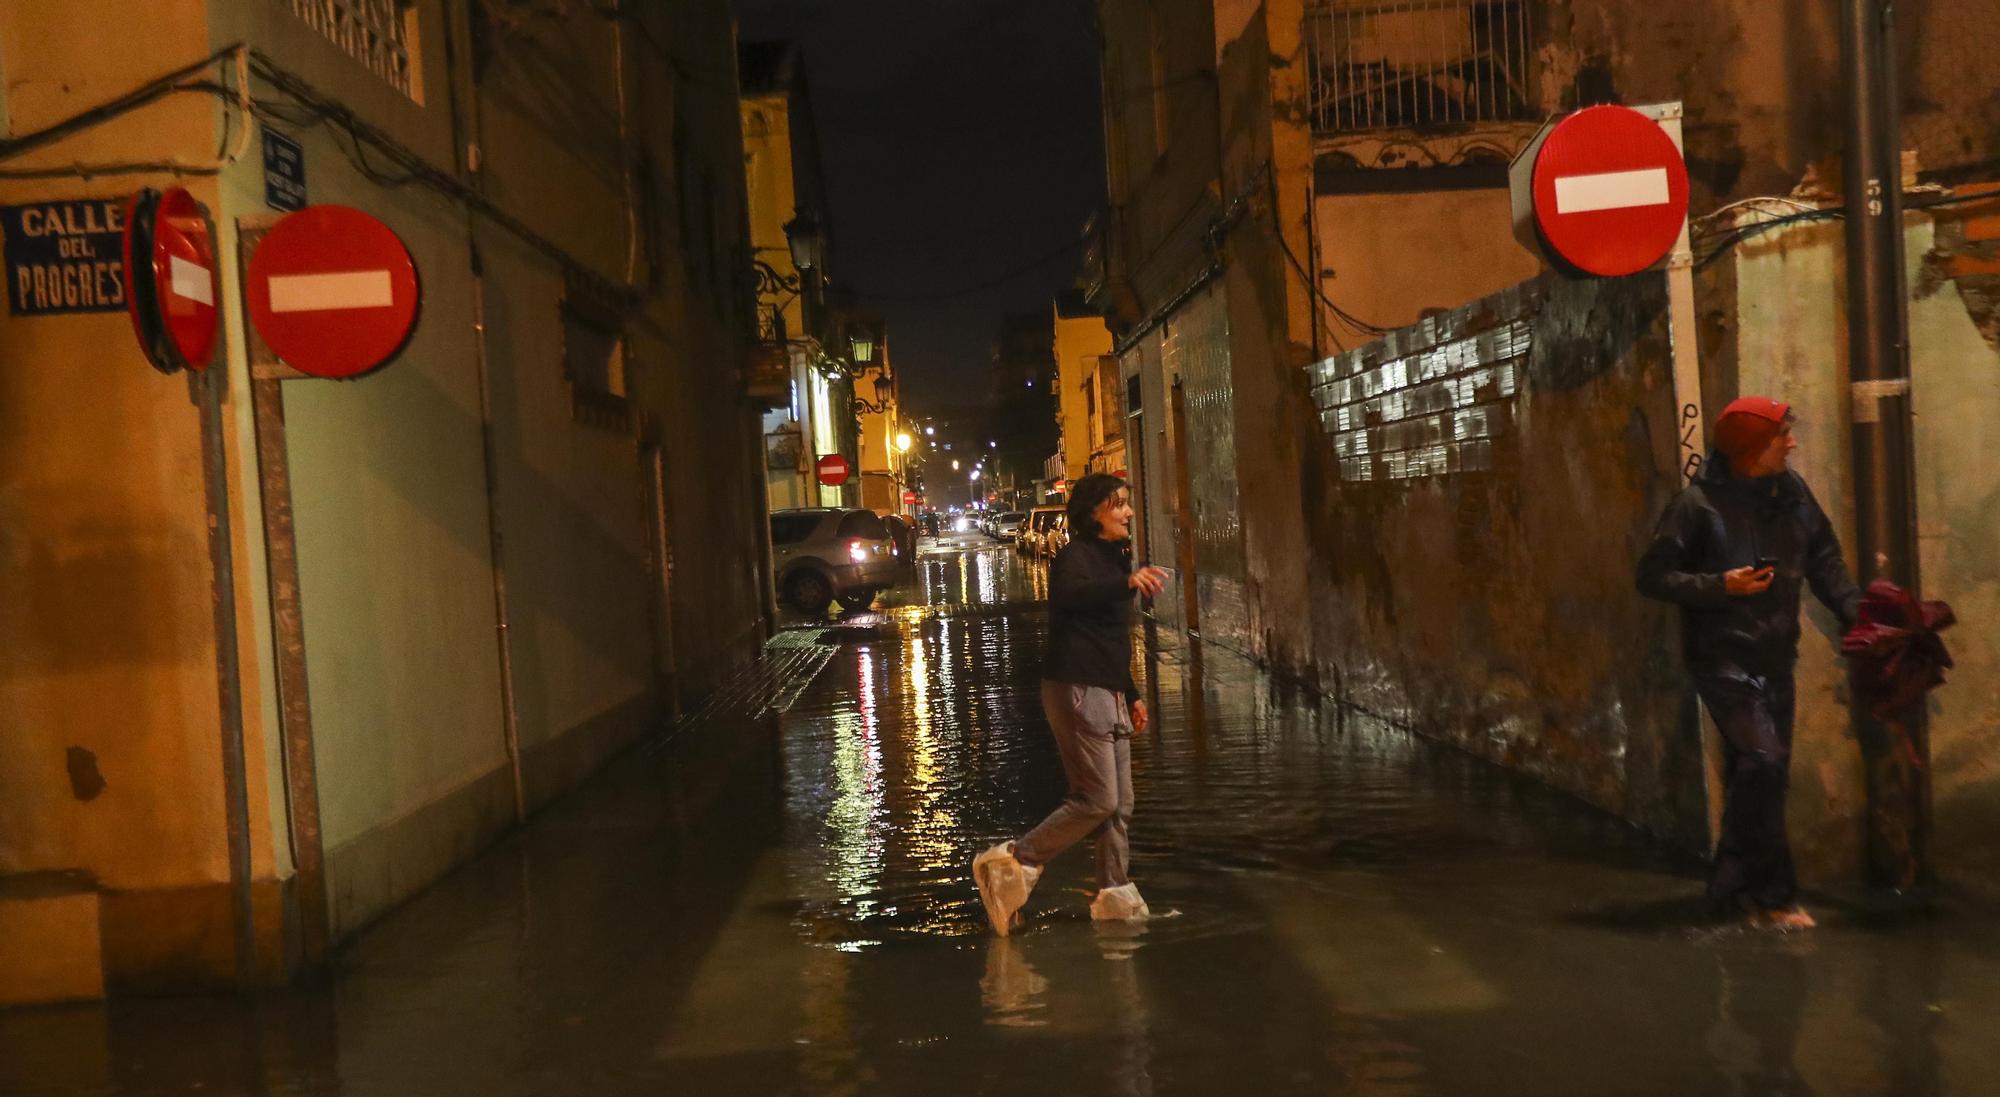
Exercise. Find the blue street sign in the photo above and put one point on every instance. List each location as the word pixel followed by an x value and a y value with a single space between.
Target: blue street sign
pixel 284 172
pixel 64 256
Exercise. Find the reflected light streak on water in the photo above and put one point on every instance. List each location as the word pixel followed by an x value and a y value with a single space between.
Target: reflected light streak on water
pixel 932 845
pixel 855 819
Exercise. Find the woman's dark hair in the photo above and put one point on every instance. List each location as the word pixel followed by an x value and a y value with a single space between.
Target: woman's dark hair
pixel 1084 498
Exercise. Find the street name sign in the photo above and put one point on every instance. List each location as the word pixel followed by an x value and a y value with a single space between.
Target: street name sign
pixel 832 470
pixel 171 285
pixel 1602 191
pixel 332 291
pixel 62 256
pixel 284 172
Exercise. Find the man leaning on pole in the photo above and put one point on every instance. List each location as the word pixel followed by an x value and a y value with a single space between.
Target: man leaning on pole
pixel 1733 551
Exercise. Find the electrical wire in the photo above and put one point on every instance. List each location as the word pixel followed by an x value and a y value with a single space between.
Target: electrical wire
pixel 236 139
pixel 1346 317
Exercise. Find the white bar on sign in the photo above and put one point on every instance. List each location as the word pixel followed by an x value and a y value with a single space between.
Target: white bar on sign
pixel 1611 190
pixel 355 289
pixel 189 280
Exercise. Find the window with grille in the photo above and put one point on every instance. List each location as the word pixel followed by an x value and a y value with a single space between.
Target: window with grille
pixel 1412 64
pixel 381 34
pixel 594 361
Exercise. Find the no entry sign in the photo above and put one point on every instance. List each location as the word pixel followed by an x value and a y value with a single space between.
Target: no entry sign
pixel 1609 190
pixel 332 291
pixel 832 470
pixel 909 498
pixel 170 280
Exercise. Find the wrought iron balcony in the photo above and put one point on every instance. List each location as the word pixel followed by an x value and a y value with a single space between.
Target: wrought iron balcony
pixel 1418 64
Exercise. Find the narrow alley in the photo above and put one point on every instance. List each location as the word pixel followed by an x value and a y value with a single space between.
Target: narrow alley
pixel 774 899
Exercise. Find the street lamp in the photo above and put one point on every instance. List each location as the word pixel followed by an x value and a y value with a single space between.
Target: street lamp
pixel 885 391
pixel 928 431
pixel 864 347
pixel 904 442
pixel 808 244
pixel 954 466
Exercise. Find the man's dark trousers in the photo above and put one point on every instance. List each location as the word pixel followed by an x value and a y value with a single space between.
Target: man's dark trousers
pixel 1753 858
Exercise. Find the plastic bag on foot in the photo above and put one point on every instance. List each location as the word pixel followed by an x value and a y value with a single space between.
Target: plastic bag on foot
pixel 1120 904
pixel 1004 884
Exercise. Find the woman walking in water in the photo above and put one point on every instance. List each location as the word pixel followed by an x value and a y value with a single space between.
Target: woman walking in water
pixel 1092 706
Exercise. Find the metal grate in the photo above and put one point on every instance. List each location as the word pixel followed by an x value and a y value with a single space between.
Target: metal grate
pixel 1406 64
pixel 373 32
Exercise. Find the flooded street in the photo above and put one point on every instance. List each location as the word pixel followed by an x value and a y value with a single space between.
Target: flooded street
pixel 779 902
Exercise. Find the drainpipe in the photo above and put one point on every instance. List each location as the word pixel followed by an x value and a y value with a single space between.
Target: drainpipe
pixel 1885 543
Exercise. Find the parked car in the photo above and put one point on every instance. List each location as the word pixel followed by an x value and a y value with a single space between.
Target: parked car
pixel 1039 522
pixel 826 554
pixel 904 536
pixel 1007 525
pixel 1057 538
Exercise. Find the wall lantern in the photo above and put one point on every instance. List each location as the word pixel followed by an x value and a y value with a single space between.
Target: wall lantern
pixel 807 242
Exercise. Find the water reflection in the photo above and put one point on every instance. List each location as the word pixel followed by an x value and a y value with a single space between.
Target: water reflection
pixel 1364 913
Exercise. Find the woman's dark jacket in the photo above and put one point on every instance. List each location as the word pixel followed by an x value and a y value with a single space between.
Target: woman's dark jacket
pixel 1090 617
pixel 1721 522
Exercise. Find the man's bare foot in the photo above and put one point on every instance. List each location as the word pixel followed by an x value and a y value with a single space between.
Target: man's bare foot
pixel 1787 920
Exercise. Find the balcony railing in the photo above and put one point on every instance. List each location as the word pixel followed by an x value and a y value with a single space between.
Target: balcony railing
pixel 1418 64
pixel 377 33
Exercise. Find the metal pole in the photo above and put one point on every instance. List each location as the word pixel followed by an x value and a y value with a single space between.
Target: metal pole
pixel 208 389
pixel 1896 751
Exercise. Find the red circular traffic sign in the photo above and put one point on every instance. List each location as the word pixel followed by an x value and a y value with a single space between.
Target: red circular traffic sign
pixel 332 291
pixel 170 279
pixel 1611 191
pixel 909 498
pixel 832 470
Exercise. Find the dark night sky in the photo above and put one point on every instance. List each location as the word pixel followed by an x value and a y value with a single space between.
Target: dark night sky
pixel 963 150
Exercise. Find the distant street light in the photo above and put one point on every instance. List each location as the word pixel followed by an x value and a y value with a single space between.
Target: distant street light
pixel 992 445
pixel 954 466
pixel 928 431
pixel 975 474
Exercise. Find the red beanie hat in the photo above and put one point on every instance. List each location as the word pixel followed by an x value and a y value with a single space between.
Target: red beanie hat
pixel 1748 425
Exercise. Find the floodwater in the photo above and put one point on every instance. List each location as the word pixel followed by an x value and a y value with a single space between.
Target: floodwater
pixel 781 904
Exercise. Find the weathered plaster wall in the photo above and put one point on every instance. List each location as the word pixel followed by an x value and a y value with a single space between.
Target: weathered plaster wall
pixel 1267 162
pixel 110 725
pixel 1791 339
pixel 1488 601
pixel 1392 257
pixel 1761 80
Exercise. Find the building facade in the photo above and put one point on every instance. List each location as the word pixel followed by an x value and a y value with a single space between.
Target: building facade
pixel 287 649
pixel 1309 246
pixel 801 359
pixel 1083 350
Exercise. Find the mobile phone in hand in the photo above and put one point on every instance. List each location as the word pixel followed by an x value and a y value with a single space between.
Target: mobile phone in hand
pixel 1766 562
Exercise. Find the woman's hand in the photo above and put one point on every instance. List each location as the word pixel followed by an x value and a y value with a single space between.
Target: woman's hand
pixel 1148 580
pixel 1139 718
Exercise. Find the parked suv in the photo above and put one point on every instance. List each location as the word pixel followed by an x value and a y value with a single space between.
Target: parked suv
pixel 1036 528
pixel 1007 525
pixel 1057 538
pixel 826 554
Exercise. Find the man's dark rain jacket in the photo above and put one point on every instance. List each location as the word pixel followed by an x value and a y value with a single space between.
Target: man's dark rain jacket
pixel 1719 523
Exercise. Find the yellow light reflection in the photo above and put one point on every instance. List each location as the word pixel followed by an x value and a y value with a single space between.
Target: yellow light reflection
pixel 855 819
pixel 932 844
